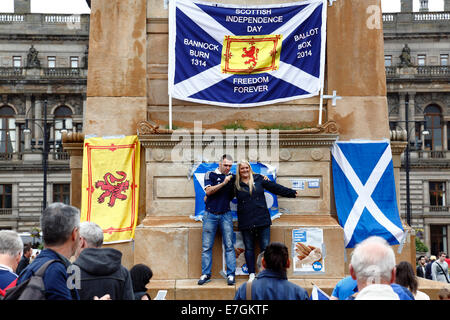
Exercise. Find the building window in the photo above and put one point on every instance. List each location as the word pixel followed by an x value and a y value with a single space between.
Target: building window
pixel 433 124
pixel 51 62
pixel 7 130
pixel 387 61
pixel 444 59
pixel 438 239
pixel 17 62
pixel 5 196
pixel 61 193
pixel 437 193
pixel 421 59
pixel 74 62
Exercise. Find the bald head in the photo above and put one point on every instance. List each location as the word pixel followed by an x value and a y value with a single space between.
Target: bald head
pixel 373 262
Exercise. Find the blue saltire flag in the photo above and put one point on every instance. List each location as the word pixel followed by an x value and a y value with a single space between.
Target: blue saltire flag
pixel 257 167
pixel 318 294
pixel 364 191
pixel 243 56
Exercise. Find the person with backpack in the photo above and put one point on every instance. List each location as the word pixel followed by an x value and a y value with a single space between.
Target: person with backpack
pixel 60 231
pixel 439 269
pixel 11 247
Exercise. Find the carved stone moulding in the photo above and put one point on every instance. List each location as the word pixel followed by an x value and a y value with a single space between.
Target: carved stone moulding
pixel 152 137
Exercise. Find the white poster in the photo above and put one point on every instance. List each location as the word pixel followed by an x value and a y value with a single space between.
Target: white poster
pixel 308 251
pixel 239 249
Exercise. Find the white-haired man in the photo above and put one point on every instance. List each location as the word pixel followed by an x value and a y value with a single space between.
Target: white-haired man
pixel 101 269
pixel 11 248
pixel 373 267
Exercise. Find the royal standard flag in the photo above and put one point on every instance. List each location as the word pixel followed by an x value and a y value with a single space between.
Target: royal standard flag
pixel 236 56
pixel 110 185
pixel 364 191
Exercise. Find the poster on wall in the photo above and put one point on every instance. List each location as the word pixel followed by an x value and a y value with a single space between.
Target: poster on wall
pixel 239 250
pixel 308 251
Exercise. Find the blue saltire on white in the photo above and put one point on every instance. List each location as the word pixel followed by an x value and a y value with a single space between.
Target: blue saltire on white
pixel 364 191
pixel 318 294
pixel 203 82
pixel 199 187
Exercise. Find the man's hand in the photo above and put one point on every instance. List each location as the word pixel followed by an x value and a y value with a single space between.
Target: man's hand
pixel 105 297
pixel 228 178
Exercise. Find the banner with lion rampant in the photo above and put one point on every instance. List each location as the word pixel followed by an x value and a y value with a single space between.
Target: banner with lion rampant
pixel 110 185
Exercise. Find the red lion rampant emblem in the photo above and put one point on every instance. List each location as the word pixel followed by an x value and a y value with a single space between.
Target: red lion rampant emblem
pixel 111 189
pixel 252 53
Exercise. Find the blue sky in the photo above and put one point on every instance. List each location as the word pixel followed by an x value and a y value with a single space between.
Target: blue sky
pixel 80 6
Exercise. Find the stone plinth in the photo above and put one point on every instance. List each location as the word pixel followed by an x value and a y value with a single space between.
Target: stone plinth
pixel 169 240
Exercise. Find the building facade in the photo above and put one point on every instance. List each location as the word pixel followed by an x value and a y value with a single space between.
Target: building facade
pixel 417 49
pixel 43 76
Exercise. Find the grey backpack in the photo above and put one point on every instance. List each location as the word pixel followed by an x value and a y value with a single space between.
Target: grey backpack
pixel 31 289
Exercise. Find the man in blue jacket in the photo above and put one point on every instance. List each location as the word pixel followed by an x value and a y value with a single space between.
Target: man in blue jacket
pixel 219 191
pixel 59 224
pixel 272 282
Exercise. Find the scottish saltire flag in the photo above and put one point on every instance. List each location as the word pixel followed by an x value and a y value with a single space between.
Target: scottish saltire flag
pixel 364 191
pixel 318 294
pixel 257 167
pixel 110 185
pixel 243 56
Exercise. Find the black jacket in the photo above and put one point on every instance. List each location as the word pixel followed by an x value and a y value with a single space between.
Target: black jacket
pixel 102 273
pixel 420 272
pixel 252 209
pixel 24 262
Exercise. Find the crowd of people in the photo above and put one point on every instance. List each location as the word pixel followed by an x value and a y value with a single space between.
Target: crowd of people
pixel 97 272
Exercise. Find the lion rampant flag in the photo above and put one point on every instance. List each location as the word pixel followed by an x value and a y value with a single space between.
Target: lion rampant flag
pixel 110 185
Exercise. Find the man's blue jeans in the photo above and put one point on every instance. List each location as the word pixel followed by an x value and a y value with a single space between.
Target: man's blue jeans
pixel 249 237
pixel 211 222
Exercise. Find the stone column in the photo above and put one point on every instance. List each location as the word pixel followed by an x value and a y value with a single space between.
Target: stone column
pixel 73 144
pixel 355 69
pixel 411 115
pixel 17 143
pixel 38 127
pixel 401 110
pixel 116 85
pixel 444 137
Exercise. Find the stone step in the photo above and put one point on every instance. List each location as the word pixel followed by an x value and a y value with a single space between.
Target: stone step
pixel 217 289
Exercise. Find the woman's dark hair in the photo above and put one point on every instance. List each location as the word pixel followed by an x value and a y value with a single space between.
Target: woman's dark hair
pixel 276 256
pixel 405 276
pixel 140 276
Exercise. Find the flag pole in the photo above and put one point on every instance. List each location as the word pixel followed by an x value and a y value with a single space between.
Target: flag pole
pixel 170 111
pixel 321 106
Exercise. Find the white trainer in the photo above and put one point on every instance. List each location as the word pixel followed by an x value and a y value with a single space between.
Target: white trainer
pixel 251 277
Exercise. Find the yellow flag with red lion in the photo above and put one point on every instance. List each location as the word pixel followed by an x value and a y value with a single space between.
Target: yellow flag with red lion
pixel 110 185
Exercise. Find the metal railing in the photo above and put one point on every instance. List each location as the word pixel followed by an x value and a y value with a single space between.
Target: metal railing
pixel 11 17
pixel 416 17
pixel 418 72
pixel 438 208
pixel 12 72
pixel 432 154
pixel 62 72
pixel 6 211
pixel 59 155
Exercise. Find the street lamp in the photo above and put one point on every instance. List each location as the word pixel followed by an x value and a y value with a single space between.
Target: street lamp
pixel 44 152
